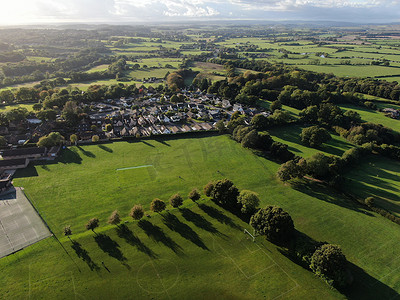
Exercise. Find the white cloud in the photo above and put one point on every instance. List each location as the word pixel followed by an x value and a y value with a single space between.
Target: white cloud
pixel 27 11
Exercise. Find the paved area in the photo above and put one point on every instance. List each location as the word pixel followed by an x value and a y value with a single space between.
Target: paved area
pixel 20 225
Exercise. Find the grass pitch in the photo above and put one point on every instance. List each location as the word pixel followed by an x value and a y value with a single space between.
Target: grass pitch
pixel 199 250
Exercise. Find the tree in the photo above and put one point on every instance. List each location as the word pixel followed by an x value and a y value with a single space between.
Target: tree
pixel 108 127
pixel 249 201
pixel 290 170
pixel 67 231
pixel 208 188
pixel 6 96
pixel 174 99
pixel 318 165
pixel 220 126
pixel 176 200
pixel 71 112
pixel 3 141
pixel 114 218
pixel 314 136
pixel 92 224
pixel 225 193
pixel 95 138
pixel 50 140
pixel 275 105
pixel 157 205
pixel 137 212
pixel 273 222
pixel 37 106
pixel 281 151
pixel 329 262
pixel 259 122
pixel 73 138
pixel 194 195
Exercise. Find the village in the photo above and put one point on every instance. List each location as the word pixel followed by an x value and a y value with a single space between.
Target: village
pixel 115 119
pixel 141 116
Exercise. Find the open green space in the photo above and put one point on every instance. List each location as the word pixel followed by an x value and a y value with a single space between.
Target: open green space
pixel 377 177
pixel 202 245
pixel 10 107
pixel 373 116
pixel 290 135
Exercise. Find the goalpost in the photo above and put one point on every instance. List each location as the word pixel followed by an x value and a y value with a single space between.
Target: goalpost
pixel 253 236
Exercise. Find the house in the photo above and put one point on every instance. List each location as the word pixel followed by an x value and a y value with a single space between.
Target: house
pixel 174 129
pixel 5 183
pixel 53 152
pixel 206 126
pixel 12 164
pixel 226 104
pixel 30 153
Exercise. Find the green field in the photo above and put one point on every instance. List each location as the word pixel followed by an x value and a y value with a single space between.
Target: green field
pixel 378 177
pixel 373 116
pixel 10 107
pixel 170 256
pixel 290 135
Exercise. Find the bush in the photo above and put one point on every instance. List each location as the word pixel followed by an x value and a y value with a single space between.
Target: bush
pixel 273 222
pixel 137 212
pixel 176 200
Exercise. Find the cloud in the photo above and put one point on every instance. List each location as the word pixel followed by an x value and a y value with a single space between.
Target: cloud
pixel 26 11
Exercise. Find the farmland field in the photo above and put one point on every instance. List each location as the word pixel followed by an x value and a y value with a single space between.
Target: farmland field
pixel 85 182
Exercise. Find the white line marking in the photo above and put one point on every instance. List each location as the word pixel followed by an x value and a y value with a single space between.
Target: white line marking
pixel 130 168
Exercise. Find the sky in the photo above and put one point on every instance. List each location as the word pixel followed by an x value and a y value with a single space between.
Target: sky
pixel 14 12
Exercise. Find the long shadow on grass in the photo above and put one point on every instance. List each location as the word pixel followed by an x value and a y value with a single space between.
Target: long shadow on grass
pixel 199 221
pixel 84 255
pixel 219 216
pixel 364 286
pixel 105 148
pixel 367 287
pixel 319 191
pixel 173 223
pixel 124 232
pixel 158 235
pixel 109 246
pixel 86 153
pixel 68 156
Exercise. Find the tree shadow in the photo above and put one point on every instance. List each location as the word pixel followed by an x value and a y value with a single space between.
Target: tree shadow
pixel 148 144
pixel 324 193
pixel 173 223
pixel 109 246
pixel 157 234
pixel 219 216
pixel 68 156
pixel 84 255
pixel 105 148
pixel 365 286
pixel 124 232
pixel 162 142
pixel 199 221
pixel 86 153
